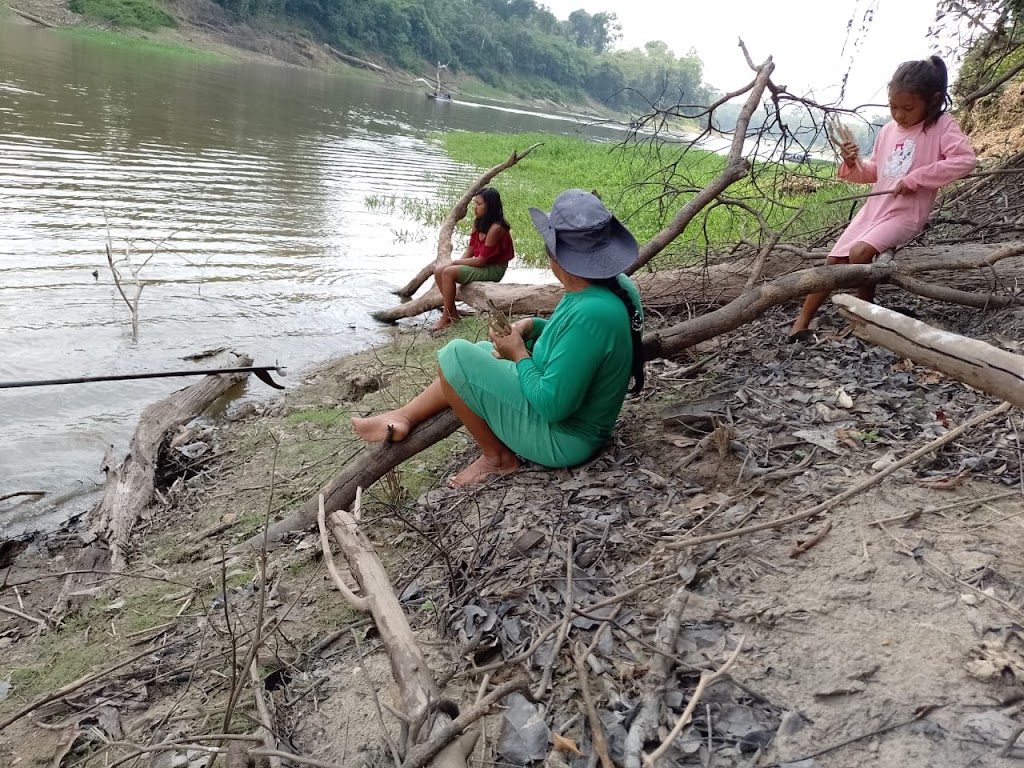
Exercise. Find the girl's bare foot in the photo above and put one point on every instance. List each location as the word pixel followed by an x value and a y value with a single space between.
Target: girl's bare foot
pixel 483 468
pixel 388 426
pixel 445 321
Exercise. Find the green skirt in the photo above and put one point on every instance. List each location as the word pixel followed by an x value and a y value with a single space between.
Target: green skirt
pixel 492 273
pixel 490 387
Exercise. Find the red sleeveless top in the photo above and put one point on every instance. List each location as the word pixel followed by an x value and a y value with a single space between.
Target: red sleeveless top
pixel 502 253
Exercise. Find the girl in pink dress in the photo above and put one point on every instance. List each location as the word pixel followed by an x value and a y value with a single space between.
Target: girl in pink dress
pixel 921 150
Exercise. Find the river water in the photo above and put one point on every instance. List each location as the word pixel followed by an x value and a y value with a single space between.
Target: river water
pixel 259 175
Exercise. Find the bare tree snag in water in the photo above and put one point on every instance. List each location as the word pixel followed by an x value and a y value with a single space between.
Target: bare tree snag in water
pixel 973 362
pixel 455 215
pixel 130 485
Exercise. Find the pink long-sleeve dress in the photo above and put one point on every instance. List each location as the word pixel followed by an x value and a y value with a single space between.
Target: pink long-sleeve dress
pixel 924 160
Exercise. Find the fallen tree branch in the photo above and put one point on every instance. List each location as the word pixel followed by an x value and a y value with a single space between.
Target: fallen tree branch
pixel 817 509
pixel 736 167
pixel 15 612
pixel 341 491
pixel 971 361
pixel 801 547
pixel 597 737
pixel 952 295
pixel 455 215
pixel 130 485
pixel 459 727
pixel 35 19
pixel 645 724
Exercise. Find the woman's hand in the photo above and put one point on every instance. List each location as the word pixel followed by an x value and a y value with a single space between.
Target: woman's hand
pixel 524 327
pixel 850 153
pixel 901 189
pixel 510 346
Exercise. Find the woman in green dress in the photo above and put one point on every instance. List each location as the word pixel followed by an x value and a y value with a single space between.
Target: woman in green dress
pixel 550 390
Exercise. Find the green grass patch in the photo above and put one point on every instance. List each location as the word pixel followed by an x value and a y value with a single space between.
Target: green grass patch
pixel 324 417
pixel 129 41
pixel 644 185
pixel 137 14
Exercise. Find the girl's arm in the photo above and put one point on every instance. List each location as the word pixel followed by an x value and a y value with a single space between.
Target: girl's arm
pixel 470 262
pixel 862 171
pixel 956 160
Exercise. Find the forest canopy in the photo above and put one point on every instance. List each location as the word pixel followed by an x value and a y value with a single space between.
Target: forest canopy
pixel 509 44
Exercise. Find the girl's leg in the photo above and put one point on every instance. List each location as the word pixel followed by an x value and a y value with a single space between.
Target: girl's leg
pixel 445 278
pixel 495 458
pixel 395 425
pixel 810 308
pixel 862 253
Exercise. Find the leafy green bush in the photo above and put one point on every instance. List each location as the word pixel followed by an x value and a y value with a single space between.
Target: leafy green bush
pixel 140 14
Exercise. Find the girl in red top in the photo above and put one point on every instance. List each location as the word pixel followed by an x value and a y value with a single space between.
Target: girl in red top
pixel 486 257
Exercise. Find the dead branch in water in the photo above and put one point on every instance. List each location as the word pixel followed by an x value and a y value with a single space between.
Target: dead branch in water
pixel 454 216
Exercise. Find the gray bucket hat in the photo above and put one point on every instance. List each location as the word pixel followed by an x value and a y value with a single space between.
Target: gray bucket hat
pixel 583 236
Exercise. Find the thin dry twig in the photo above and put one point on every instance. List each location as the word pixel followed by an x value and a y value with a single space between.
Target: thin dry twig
pixel 596 729
pixel 801 547
pixel 15 612
pixel 706 679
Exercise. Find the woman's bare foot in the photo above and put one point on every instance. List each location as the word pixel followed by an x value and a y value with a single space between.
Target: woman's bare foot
pixel 483 468
pixel 445 321
pixel 388 426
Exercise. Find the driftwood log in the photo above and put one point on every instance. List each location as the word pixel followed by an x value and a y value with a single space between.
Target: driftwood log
pixel 971 361
pixel 130 485
pixel 973 275
pixel 454 216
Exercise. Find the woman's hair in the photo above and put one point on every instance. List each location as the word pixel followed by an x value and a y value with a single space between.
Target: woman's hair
pixel 494 214
pixel 636 327
pixel 928 79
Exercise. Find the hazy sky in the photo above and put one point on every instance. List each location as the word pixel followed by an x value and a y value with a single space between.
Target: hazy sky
pixel 805 37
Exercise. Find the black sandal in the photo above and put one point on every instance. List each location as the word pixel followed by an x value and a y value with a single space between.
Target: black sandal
pixel 800 336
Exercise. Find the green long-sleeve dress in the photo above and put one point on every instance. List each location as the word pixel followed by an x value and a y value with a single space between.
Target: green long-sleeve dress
pixel 558 407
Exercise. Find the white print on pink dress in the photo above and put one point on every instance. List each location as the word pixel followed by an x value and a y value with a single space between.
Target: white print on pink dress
pixel 900 159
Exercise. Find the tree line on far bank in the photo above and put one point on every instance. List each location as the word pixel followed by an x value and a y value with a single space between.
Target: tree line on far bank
pixel 515 45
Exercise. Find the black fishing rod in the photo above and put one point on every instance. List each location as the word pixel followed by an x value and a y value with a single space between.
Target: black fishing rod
pixel 262 373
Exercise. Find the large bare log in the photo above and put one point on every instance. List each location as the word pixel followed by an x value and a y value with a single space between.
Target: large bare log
pixel 660 290
pixel 455 215
pixel 130 485
pixel 428 301
pixel 668 342
pixel 340 492
pixel 971 361
pixel 971 274
pixel 752 304
pixel 736 167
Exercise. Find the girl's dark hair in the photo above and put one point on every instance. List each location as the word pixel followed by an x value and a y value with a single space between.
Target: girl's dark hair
pixel 636 326
pixel 494 214
pixel 928 79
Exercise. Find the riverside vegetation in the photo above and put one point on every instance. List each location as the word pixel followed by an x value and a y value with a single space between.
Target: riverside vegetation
pixel 643 184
